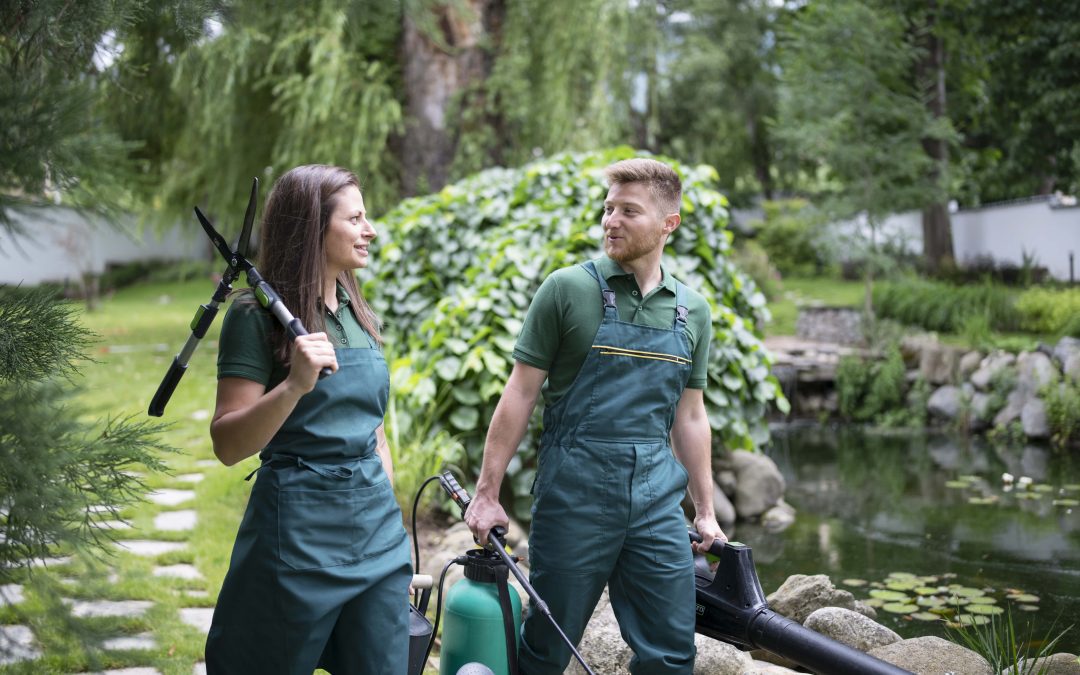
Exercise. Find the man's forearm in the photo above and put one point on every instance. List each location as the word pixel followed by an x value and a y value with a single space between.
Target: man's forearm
pixel 508 427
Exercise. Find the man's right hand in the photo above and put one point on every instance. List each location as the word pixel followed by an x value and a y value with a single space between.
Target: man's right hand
pixel 483 514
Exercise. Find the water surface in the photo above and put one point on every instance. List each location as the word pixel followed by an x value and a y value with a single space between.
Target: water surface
pixel 870 504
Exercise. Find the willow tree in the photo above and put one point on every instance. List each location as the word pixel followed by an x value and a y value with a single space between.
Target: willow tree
pixel 282 84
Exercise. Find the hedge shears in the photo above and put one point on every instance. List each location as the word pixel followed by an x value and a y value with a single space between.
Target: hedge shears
pixel 237 263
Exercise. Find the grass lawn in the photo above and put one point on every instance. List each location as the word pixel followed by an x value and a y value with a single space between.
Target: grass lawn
pixel 803 291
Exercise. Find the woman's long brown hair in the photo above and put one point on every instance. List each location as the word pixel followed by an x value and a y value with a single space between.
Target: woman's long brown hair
pixel 292 255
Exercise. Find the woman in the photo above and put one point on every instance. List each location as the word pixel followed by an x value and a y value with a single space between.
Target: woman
pixel 320 569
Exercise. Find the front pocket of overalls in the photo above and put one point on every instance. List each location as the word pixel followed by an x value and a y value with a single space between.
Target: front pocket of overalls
pixel 324 528
pixel 551 460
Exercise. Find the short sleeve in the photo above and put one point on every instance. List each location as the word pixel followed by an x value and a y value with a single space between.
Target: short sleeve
pixel 244 348
pixel 538 342
pixel 699 372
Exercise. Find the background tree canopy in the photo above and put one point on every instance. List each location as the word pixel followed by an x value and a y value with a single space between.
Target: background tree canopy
pixel 457 269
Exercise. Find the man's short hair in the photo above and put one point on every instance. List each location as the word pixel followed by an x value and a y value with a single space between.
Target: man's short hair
pixel 663 183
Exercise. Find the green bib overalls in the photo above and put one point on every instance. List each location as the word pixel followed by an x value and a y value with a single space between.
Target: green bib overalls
pixel 607 496
pixel 320 569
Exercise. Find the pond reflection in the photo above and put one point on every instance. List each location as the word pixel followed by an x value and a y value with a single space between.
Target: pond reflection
pixel 871 504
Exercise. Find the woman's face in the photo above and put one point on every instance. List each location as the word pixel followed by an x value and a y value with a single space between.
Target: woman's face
pixel 348 234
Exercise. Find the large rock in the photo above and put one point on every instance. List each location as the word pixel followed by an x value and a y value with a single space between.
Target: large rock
pixel 759 483
pixel 932 656
pixel 945 402
pixel 850 628
pixel 1035 370
pixel 1033 418
pixel 1066 347
pixel 801 595
pixel 1057 664
pixel 779 517
pixel 969 363
pixel 990 366
pixel 603 649
pixel 1014 405
pixel 1071 367
pixel 940 364
pixel 722 507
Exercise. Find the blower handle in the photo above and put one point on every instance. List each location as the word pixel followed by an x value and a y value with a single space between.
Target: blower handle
pixel 717 545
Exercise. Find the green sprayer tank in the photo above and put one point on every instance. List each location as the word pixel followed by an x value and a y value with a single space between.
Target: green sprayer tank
pixel 473 629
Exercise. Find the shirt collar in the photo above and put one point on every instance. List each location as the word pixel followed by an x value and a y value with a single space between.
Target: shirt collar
pixel 609 268
pixel 342 297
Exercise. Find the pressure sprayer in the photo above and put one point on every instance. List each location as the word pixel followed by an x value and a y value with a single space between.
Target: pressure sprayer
pixel 483 618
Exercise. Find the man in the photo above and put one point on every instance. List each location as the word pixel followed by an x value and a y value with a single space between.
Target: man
pixel 620 349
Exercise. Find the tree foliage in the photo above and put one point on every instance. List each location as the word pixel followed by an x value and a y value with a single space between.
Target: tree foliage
pixel 285 84
pixel 60 476
pixel 456 275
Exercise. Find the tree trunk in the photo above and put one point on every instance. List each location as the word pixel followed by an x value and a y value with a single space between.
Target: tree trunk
pixel 936 224
pixel 447 57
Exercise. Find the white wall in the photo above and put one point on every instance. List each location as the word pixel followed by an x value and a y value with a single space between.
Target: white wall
pixel 61 244
pixel 1005 232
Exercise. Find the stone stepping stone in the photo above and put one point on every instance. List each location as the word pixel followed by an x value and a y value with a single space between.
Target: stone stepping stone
pixel 191 478
pixel 50 562
pixel 197 617
pixel 140 641
pixel 100 608
pixel 170 497
pixel 195 593
pixel 11 594
pixel 202 414
pixel 207 463
pixel 180 571
pixel 175 521
pixel 199 669
pixel 148 548
pixel 17 644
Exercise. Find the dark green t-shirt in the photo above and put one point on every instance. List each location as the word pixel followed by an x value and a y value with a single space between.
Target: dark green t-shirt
pixel 567 310
pixel 244 348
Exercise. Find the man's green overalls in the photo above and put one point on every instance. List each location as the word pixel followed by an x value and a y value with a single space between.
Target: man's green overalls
pixel 607 497
pixel 320 570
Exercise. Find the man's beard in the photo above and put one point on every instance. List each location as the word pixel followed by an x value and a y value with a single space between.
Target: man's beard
pixel 640 246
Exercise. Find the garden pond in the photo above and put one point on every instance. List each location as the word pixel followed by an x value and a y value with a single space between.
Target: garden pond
pixel 922 524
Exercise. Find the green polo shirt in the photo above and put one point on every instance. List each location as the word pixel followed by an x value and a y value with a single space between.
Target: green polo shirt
pixel 567 310
pixel 244 348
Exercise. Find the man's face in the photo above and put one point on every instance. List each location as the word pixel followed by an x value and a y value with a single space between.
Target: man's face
pixel 632 222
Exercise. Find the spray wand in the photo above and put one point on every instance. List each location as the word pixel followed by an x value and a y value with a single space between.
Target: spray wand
pixel 498 536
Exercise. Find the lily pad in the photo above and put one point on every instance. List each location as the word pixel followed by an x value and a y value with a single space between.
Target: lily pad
pixel 943 610
pixel 957 484
pixel 1028 608
pixel 930 601
pixel 984 609
pixel 1066 502
pixel 925 616
pixel 886 595
pixel 874 602
pixel 1071 487
pixel 925 590
pixel 899 608
pixel 967 592
pixel 854 582
pixel 1028 495
pixel 902 585
pixel 1025 598
pixel 903 576
pixel 1042 487
pixel 968 477
pixel 983 600
pixel 983 501
pixel 972 620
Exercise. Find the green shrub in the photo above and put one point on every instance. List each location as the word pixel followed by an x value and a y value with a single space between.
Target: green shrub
pixel 1045 310
pixel 873 390
pixel 1063 412
pixel 457 270
pixel 944 307
pixel 787 235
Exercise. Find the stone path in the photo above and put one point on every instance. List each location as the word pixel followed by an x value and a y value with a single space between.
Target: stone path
pixel 18 643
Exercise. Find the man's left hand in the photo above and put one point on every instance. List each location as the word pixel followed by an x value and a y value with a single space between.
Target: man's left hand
pixel 709 529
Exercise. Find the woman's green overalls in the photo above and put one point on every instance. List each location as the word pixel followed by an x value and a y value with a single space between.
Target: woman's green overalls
pixel 320 570
pixel 606 506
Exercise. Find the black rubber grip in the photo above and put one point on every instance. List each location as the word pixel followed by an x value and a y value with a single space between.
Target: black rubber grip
pixel 166 388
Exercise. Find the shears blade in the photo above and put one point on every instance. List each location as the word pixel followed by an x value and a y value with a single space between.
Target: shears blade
pixel 215 238
pixel 243 243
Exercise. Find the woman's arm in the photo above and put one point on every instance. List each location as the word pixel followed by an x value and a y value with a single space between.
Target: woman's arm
pixel 247 416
